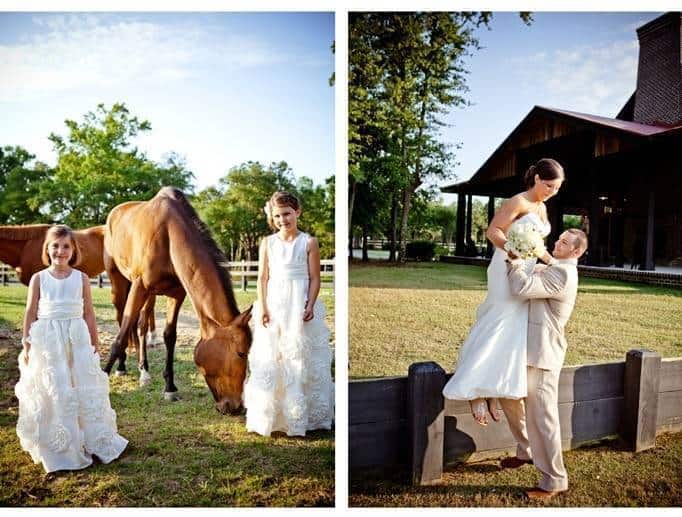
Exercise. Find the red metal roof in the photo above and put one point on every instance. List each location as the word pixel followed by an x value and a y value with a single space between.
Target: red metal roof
pixel 623 125
pixel 633 128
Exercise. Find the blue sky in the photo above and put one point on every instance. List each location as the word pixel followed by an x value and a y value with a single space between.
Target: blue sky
pixel 218 88
pixel 585 62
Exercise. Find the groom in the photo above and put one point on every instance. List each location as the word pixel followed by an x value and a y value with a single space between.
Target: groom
pixel 534 421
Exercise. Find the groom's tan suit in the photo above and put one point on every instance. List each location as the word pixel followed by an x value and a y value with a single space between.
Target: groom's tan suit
pixel 535 421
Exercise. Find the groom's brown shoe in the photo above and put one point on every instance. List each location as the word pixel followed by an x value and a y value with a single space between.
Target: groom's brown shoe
pixel 538 494
pixel 514 463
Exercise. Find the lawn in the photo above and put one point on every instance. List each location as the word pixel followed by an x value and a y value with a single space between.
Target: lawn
pixel 180 453
pixel 423 312
pixel 603 475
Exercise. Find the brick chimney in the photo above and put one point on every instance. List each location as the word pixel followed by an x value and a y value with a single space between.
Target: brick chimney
pixel 658 99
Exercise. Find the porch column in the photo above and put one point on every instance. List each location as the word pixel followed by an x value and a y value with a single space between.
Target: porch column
pixel 491 213
pixel 467 237
pixel 649 264
pixel 593 252
pixel 459 225
pixel 556 220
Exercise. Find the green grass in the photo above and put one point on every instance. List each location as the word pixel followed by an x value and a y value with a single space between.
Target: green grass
pixel 604 475
pixel 423 312
pixel 180 453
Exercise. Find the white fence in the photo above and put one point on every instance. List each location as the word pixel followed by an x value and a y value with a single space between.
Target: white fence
pixel 242 273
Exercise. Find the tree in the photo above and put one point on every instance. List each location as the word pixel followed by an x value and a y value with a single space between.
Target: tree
pixel 19 185
pixel 99 168
pixel 405 71
pixel 234 210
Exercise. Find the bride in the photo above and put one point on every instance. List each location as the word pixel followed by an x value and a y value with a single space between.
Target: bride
pixel 492 360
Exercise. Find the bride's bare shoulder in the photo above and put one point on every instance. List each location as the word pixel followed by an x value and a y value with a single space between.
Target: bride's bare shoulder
pixel 517 201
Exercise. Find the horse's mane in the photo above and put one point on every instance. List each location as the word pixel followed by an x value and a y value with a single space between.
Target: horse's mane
pixel 23 233
pixel 217 256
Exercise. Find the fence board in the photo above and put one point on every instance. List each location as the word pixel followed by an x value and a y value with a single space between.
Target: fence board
pixel 669 417
pixel 580 422
pixel 378 444
pixel 671 375
pixel 379 400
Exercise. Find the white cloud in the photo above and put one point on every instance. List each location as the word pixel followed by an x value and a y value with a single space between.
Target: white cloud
pixel 589 79
pixel 75 51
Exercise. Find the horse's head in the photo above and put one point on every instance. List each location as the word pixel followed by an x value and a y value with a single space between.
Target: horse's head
pixel 222 361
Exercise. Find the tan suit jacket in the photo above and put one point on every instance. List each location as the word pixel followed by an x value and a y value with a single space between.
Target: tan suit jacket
pixel 552 291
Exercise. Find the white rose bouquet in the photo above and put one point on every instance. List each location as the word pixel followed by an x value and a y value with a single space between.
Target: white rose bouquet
pixel 524 241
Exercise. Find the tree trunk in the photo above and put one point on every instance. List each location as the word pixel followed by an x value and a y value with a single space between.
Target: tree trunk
pixel 365 254
pixel 393 228
pixel 351 204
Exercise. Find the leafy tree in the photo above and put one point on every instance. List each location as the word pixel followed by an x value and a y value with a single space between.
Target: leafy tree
pixel 405 71
pixel 19 184
pixel 98 168
pixel 234 210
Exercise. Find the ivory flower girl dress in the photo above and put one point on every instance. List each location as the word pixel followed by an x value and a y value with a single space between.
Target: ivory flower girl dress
pixel 64 412
pixel 289 387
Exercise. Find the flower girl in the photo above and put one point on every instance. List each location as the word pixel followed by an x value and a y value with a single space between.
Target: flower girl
pixel 64 411
pixel 289 388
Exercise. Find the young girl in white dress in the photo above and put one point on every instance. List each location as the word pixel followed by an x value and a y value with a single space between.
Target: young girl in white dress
pixel 64 412
pixel 492 361
pixel 289 388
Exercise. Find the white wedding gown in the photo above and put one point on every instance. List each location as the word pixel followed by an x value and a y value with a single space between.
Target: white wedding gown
pixel 64 412
pixel 289 387
pixel 492 360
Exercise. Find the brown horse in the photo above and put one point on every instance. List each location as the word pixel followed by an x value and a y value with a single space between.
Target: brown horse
pixel 161 246
pixel 21 248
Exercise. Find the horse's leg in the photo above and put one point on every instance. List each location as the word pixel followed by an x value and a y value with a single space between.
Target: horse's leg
pixel 120 286
pixel 136 298
pixel 170 336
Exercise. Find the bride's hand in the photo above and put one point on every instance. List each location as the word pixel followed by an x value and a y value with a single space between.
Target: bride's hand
pixel 308 314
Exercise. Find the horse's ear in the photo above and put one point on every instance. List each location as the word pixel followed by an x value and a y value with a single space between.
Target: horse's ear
pixel 243 319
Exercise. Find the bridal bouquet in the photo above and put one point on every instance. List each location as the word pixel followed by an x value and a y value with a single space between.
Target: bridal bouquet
pixel 524 241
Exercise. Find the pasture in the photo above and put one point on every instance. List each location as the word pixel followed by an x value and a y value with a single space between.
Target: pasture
pixel 180 453
pixel 423 312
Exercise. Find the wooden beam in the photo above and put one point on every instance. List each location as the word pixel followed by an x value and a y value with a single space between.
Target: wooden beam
pixel 640 405
pixel 649 264
pixel 459 230
pixel 426 422
pixel 491 213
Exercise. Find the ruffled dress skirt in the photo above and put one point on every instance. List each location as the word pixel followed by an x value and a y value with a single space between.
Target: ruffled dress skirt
pixel 65 416
pixel 289 388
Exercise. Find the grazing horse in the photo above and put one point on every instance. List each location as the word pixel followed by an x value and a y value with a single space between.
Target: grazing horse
pixel 161 246
pixel 21 248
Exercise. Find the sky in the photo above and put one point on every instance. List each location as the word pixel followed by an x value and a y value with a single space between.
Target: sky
pixel 584 62
pixel 219 89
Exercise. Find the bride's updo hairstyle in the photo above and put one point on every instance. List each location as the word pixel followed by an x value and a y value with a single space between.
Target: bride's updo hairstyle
pixel 280 199
pixel 57 232
pixel 546 169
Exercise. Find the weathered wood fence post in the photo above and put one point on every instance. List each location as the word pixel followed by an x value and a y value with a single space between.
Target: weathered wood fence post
pixel 426 422
pixel 640 402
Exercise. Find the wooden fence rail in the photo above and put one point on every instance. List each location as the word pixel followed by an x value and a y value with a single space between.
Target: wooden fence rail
pixel 241 272
pixel 405 421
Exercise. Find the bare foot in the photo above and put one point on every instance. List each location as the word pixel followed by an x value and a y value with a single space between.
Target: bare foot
pixel 478 409
pixel 494 409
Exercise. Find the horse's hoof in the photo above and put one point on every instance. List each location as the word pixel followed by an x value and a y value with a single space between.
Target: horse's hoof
pixel 145 378
pixel 171 396
pixel 120 373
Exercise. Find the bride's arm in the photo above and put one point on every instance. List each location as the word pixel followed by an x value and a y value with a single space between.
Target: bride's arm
pixel 497 229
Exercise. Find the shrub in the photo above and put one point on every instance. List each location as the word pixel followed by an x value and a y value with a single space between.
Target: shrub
pixel 421 250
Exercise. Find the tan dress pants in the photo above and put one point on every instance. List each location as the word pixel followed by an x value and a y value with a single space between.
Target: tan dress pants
pixel 534 422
